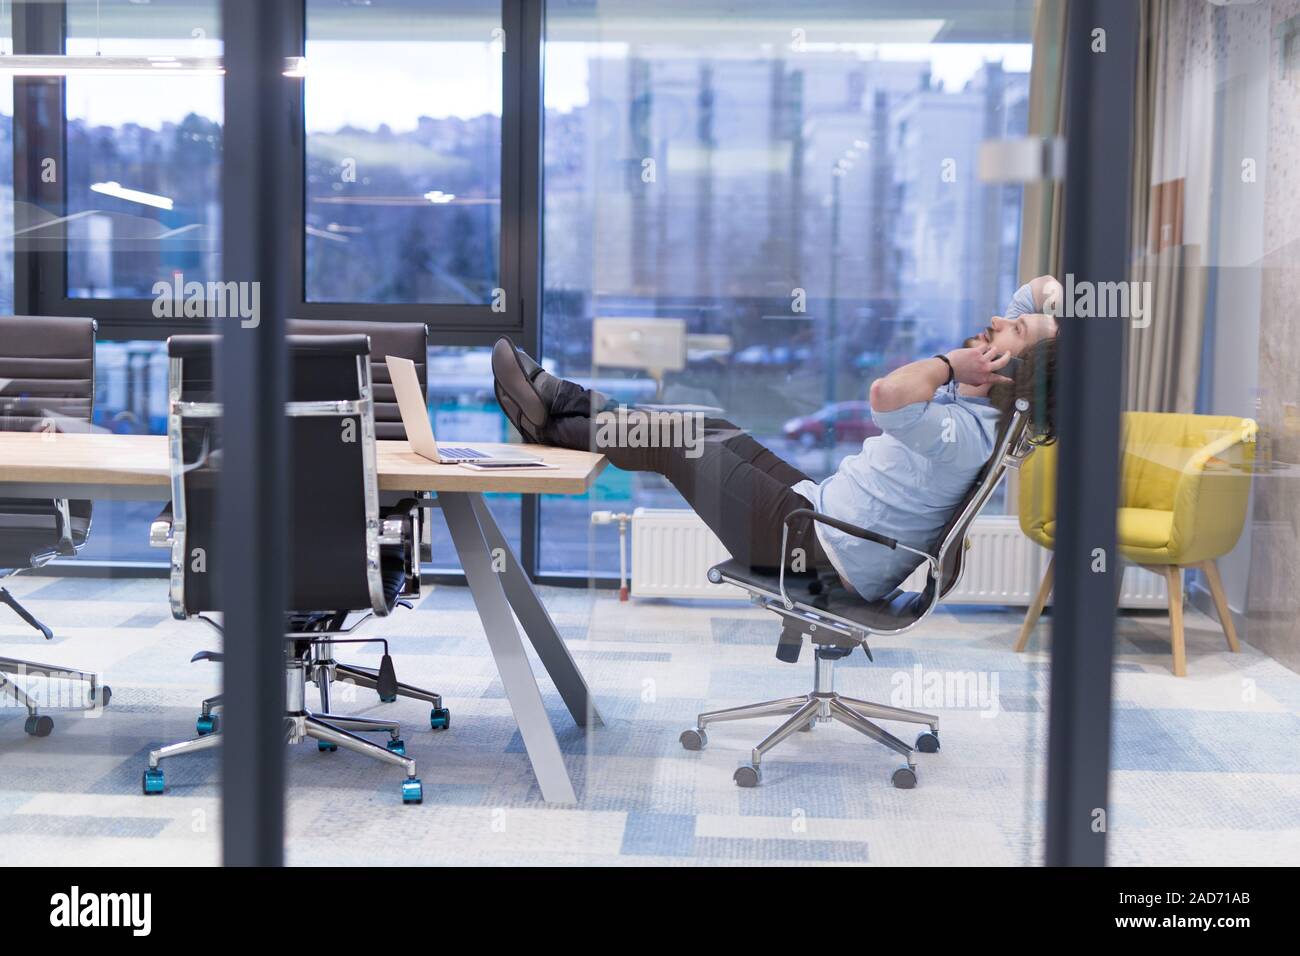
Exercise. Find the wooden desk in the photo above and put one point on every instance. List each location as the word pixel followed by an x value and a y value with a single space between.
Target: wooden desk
pixel 134 467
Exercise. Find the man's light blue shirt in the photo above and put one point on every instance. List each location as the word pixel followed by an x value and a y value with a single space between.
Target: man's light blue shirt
pixel 904 483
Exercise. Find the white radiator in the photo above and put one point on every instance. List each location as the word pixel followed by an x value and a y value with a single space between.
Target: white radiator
pixel 672 550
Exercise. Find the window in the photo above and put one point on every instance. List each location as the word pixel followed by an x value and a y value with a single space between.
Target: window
pixel 403 175
pixel 143 152
pixel 802 199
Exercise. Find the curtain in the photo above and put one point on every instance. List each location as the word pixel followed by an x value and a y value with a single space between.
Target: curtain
pixel 1170 202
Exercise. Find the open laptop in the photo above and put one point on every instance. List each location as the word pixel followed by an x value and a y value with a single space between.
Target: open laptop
pixel 415 416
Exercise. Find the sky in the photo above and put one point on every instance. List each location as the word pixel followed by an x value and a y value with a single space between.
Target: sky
pixel 365 83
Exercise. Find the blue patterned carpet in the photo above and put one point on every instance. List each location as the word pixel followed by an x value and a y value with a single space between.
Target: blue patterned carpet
pixel 1206 768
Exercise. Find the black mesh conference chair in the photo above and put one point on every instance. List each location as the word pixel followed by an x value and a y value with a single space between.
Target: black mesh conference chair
pixel 343 556
pixel 47 384
pixel 836 621
pixel 408 340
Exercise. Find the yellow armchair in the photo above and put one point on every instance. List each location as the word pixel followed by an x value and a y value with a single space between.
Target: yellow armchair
pixel 1186 481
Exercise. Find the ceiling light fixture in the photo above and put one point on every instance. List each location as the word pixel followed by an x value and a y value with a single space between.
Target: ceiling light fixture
pixel 118 191
pixel 46 64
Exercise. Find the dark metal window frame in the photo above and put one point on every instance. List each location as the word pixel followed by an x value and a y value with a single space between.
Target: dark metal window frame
pixel 41 28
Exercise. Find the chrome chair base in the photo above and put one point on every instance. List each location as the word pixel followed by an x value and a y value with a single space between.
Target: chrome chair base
pixel 38 724
pixel 324 672
pixel 330 731
pixel 822 705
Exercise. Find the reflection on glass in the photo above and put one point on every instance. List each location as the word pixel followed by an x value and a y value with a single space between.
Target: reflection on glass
pixel 809 210
pixel 143 154
pixel 1210 445
pixel 131 399
pixel 403 178
pixel 6 174
pixel 463 408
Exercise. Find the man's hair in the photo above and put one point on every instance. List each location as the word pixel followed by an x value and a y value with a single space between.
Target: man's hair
pixel 1035 382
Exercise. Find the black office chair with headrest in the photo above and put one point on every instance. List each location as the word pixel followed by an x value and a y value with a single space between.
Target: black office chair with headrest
pixel 343 556
pixel 408 340
pixel 835 621
pixel 47 384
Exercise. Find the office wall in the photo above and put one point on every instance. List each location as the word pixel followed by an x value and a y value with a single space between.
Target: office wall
pixel 1273 602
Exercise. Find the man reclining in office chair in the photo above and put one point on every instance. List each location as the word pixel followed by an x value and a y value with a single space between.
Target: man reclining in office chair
pixel 939 418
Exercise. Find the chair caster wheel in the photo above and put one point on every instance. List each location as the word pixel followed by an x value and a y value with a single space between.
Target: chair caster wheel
pixel 694 739
pixel 439 718
pixel 207 724
pixel 397 746
pixel 807 728
pixel 747 777
pixel 927 742
pixel 39 725
pixel 152 781
pixel 387 698
pixel 412 790
pixel 904 778
pixel 325 747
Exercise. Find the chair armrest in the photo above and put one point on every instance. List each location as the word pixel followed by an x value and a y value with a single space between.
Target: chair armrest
pixel 844 526
pixel 396 527
pixel 392 531
pixel 849 529
pixel 160 529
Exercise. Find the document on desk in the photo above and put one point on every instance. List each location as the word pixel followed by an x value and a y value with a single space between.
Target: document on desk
pixel 505 465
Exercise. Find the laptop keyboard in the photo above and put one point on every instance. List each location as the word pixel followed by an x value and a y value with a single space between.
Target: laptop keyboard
pixel 464 454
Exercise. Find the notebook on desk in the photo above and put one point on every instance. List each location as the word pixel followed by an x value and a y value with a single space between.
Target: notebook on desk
pixel 419 432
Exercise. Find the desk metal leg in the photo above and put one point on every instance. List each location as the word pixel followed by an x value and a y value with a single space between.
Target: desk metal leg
pixel 507 649
pixel 538 625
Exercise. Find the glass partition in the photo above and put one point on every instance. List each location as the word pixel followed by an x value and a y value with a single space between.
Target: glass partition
pixel 797 202
pixel 1207 646
pixel 752 215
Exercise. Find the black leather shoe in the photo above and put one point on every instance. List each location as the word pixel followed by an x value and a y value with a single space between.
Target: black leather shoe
pixel 522 403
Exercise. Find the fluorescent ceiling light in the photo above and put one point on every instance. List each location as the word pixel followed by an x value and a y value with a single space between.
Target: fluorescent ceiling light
pixel 84 65
pixel 118 191
pixel 54 65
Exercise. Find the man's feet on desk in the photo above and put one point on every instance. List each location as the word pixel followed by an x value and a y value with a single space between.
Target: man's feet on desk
pixel 524 389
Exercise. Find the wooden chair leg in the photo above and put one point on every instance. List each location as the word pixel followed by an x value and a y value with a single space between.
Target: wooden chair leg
pixel 1211 570
pixel 1174 579
pixel 1036 609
